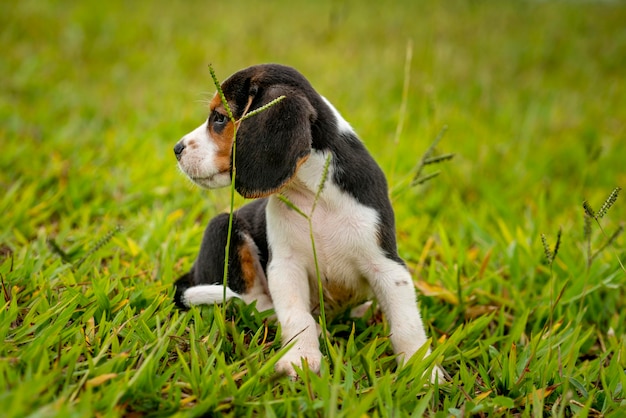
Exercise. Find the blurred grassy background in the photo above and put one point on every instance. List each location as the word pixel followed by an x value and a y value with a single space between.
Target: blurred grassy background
pixel 95 94
pixel 532 92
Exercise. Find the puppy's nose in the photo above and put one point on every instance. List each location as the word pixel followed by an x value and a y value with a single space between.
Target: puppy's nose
pixel 178 149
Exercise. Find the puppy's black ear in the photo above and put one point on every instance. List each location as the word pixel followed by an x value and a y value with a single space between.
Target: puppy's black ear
pixel 273 143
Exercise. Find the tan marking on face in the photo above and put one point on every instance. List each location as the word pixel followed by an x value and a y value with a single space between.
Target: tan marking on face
pixel 224 139
pixel 215 102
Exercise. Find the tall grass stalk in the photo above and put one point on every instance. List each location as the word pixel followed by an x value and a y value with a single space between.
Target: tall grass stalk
pixel 403 105
pixel 309 218
pixel 550 255
pixel 236 124
pixel 231 211
pixel 427 158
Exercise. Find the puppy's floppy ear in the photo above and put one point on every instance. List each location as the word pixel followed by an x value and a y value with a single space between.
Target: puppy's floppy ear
pixel 273 143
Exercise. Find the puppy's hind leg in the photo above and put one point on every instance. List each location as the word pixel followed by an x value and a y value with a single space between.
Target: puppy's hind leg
pixel 204 282
pixel 395 292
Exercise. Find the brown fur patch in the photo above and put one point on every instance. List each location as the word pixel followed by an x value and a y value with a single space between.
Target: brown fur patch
pixel 248 259
pixel 215 102
pixel 338 297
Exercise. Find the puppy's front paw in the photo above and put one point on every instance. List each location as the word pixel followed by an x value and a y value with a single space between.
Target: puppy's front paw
pixel 296 357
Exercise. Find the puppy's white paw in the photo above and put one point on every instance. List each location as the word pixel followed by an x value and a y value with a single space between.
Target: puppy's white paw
pixel 296 357
pixel 437 375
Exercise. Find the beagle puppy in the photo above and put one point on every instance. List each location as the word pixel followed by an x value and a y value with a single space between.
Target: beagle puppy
pixel 283 150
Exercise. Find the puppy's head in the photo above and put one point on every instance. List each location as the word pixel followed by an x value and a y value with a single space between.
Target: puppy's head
pixel 270 145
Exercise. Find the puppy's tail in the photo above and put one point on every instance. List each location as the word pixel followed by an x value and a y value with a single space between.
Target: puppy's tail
pixel 188 294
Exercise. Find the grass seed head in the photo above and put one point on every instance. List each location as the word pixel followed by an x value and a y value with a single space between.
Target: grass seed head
pixel 546 248
pixel 557 244
pixel 608 202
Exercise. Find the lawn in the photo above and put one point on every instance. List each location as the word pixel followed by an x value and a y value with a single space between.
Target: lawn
pixel 97 221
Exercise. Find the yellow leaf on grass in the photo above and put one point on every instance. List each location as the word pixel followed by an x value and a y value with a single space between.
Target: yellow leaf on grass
pixel 90 330
pixel 479 310
pixel 483 265
pixel 472 254
pixel 121 304
pixel 504 229
pixel 482 396
pixel 425 251
pixel 98 380
pixel 540 394
pixel 37 209
pixel 177 214
pixel 188 400
pixel 442 293
pixel 133 248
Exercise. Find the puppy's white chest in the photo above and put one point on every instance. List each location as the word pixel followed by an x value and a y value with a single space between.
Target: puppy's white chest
pixel 345 241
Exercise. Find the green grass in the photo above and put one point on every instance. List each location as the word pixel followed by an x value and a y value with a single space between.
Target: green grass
pixel 95 94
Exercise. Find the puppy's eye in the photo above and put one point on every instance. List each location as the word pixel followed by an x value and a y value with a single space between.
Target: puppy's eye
pixel 219 119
